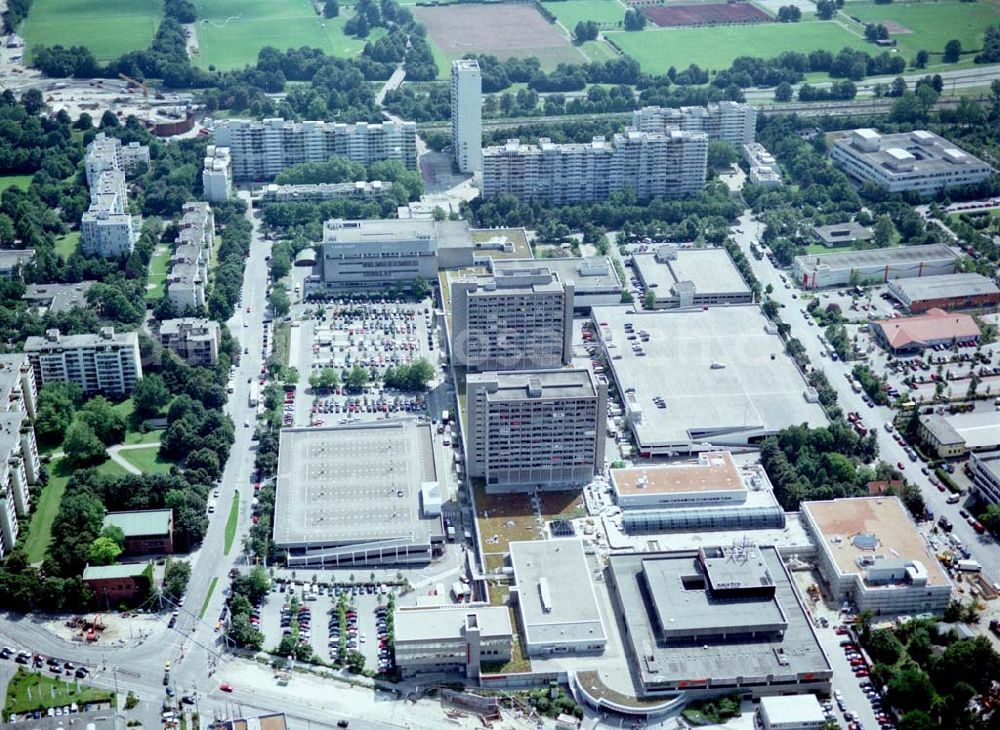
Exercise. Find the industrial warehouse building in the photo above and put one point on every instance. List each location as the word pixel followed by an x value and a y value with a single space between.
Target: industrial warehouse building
pixel 870 553
pixel 816 271
pixel 350 495
pixel 917 161
pixel 712 493
pixel 948 291
pixel 715 621
pixel 681 278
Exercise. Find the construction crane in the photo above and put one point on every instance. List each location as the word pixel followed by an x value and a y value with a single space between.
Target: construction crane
pixel 145 91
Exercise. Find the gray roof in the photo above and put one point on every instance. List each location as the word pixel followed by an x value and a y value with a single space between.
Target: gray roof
pixel 590 274
pixel 978 430
pixel 57 341
pixel 790 709
pixel 843 233
pixel 752 394
pixel 10 434
pixel 514 385
pixel 128 570
pixel 709 269
pixel 792 653
pixel 914 255
pixel 945 286
pixel 13 257
pixel 10 373
pixel 942 431
pixel 448 623
pixel 191 326
pixel 58 297
pixel 140 523
pixel 556 573
pixel 930 153
pixel 344 485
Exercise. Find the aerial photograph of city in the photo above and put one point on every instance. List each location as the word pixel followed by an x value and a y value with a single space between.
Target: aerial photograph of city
pixel 511 364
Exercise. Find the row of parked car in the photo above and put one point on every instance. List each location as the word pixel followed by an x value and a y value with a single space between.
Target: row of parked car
pixel 852 652
pixel 386 661
pixel 56 666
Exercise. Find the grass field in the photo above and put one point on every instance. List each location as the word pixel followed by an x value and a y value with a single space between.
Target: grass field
pixel 15 181
pixel 599 51
pixel 715 48
pixel 35 691
pixel 158 263
pixel 933 24
pixel 108 28
pixel 232 521
pixel 40 530
pixel 67 245
pixel 147 460
pixel 232 32
pixel 606 13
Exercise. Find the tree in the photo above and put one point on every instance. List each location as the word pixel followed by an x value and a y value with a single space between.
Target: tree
pixel 150 396
pixel 108 424
pixel 115 533
pixel 952 51
pixel 586 30
pixel 279 302
pixel 357 378
pixel 421 289
pixel 789 14
pixel 331 9
pixel 175 578
pixel 103 551
pixel 649 299
pixel 721 155
pixel 917 720
pixel 921 59
pixel 82 447
pixel 883 232
pixel 884 647
pixel 355 661
pixel 911 689
pixel 634 20
pixel 825 9
pixel 783 91
pixel 205 460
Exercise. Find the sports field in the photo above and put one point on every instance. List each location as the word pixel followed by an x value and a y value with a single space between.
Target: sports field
pixel 606 13
pixel 715 48
pixel 232 32
pixel 108 28
pixel 932 24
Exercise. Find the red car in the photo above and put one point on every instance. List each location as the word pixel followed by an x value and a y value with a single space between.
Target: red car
pixel 900 465
pixel 226 687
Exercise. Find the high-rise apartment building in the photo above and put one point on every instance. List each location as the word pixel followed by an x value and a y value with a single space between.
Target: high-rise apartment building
pixel 729 121
pixel 467 115
pixel 535 429
pixel 108 153
pixel 106 362
pixel 20 467
pixel 513 319
pixel 107 228
pixel 261 149
pixel 651 164
pixel 195 340
pixel 18 391
pixel 217 174
pixel 188 278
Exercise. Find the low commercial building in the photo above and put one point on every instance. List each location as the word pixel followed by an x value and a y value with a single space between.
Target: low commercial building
pixel 871 554
pixel 18 389
pixel 326 191
pixel 513 319
pixel 879 265
pixel 594 279
pixel 114 584
pixel 57 298
pixel 917 161
pixel 714 621
pixel 217 174
pixel 147 532
pixel 554 593
pixel 534 429
pixel 949 291
pixel 350 495
pixel 960 433
pixel 13 259
pixel 712 493
pixel 107 362
pixel 985 471
pixel 791 712
pixel 702 379
pixel 452 639
pixel 843 234
pixel 764 169
pixel 195 340
pixel 682 278
pixel 934 327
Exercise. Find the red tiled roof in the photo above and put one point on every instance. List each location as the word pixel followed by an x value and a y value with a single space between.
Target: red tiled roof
pixel 934 324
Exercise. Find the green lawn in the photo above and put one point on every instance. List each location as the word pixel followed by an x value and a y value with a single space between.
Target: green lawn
pixel 15 181
pixel 208 597
pixel 147 460
pixel 599 51
pixel 158 264
pixel 231 522
pixel 606 13
pixel 111 469
pixel 40 529
pixel 232 32
pixel 933 24
pixel 108 28
pixel 29 691
pixel 715 48
pixel 67 245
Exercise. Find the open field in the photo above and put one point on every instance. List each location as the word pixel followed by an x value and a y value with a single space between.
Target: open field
pixel 67 245
pixel 606 13
pixel 35 691
pixel 158 263
pixel 705 14
pixel 505 31
pixel 715 48
pixel 931 24
pixel 232 32
pixel 40 530
pixel 15 181
pixel 108 28
pixel 147 460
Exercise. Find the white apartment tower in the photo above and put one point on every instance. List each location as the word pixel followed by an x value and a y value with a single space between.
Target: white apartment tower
pixel 217 174
pixel 261 149
pixel 535 429
pixel 107 362
pixel 729 121
pixel 188 279
pixel 107 228
pixel 467 115
pixel 108 153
